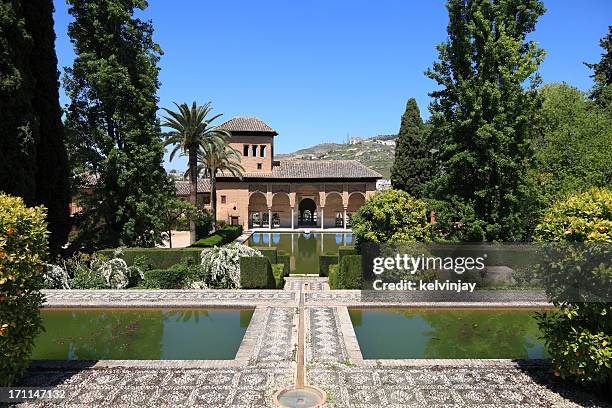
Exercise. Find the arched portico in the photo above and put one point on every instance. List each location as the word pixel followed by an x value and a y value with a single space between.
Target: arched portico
pixel 258 210
pixel 281 210
pixel 334 210
pixel 307 212
pixel 355 201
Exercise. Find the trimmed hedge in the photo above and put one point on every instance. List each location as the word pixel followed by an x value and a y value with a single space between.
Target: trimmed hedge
pixel 222 236
pixel 324 263
pixel 256 273
pixel 157 258
pixel 279 274
pixel 269 252
pixel 350 274
pixel 333 276
pixel 172 278
pixel 23 246
pixel 284 258
pixel 346 250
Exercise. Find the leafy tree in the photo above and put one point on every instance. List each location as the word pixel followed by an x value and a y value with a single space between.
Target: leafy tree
pixel 392 216
pixel 33 161
pixel 602 74
pixel 191 132
pixel 174 210
pixel 572 152
pixel 114 131
pixel 218 158
pixel 411 168
pixel 482 115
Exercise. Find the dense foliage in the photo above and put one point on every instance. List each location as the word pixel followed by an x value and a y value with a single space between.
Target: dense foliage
pixel 411 167
pixel 602 74
pixel 256 273
pixel 482 116
pixel 572 152
pixel 392 216
pixel 350 273
pixel 579 335
pixel 221 266
pixel 23 247
pixel 33 161
pixel 114 139
pixel 221 237
pixel 155 258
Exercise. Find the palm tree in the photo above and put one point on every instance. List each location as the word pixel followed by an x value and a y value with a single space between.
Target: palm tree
pixel 191 131
pixel 215 158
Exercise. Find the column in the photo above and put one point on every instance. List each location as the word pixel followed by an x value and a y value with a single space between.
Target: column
pixel 344 219
pixel 292 218
pixel 322 218
pixel 269 218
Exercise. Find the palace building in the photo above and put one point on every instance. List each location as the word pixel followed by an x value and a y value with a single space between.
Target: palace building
pixel 286 193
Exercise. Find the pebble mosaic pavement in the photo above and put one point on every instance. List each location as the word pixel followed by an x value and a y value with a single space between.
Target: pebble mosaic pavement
pixel 349 382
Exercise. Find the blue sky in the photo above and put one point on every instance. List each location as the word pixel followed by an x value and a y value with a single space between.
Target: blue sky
pixel 319 70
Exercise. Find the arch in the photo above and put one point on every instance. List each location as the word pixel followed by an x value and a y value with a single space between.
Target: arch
pixel 307 212
pixel 334 210
pixel 355 202
pixel 281 210
pixel 258 209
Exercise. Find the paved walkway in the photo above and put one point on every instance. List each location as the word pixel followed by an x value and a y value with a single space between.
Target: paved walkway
pixel 266 361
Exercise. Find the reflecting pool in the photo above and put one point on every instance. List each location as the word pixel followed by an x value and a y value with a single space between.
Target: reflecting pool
pixel 303 248
pixel 447 333
pixel 141 334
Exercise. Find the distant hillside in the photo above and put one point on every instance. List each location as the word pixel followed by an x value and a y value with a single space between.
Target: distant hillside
pixel 367 151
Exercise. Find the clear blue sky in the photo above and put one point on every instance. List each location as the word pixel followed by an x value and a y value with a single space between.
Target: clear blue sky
pixel 317 70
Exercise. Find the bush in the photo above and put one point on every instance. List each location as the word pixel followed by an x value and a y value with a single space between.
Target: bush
pixel 284 258
pixel 579 335
pixel 221 266
pixel 333 276
pixel 223 236
pixel 350 274
pixel 269 252
pixel 155 258
pixel 346 250
pixel 325 261
pixel 172 278
pixel 279 274
pixel 23 245
pixel 256 273
pixel 392 216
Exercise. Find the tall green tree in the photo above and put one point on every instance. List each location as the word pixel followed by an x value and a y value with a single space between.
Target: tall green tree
pixel 602 74
pixel 192 131
pixel 33 161
pixel 411 167
pixel 52 171
pixel 572 152
pixel 114 130
pixel 217 158
pixel 483 114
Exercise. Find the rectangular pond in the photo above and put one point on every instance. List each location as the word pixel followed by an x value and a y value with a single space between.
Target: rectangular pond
pixel 141 334
pixel 303 248
pixel 447 333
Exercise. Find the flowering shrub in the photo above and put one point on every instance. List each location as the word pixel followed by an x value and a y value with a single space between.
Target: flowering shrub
pixel 23 245
pixel 221 266
pixel 579 335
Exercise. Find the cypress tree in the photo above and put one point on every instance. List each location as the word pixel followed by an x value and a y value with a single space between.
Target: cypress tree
pixel 113 125
pixel 602 74
pixel 483 114
pixel 18 124
pixel 410 170
pixel 52 172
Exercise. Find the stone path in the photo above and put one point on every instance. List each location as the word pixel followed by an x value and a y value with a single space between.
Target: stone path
pixel 266 361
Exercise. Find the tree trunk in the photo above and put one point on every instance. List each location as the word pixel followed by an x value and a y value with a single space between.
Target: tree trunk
pixel 193 188
pixel 170 237
pixel 213 197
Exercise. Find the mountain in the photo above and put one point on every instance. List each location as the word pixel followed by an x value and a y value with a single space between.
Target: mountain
pixel 369 151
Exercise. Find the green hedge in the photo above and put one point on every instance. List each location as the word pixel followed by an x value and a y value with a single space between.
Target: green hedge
pixel 350 275
pixel 325 261
pixel 279 274
pixel 172 278
pixel 222 236
pixel 269 252
pixel 157 258
pixel 23 246
pixel 284 258
pixel 256 273
pixel 333 276
pixel 346 250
